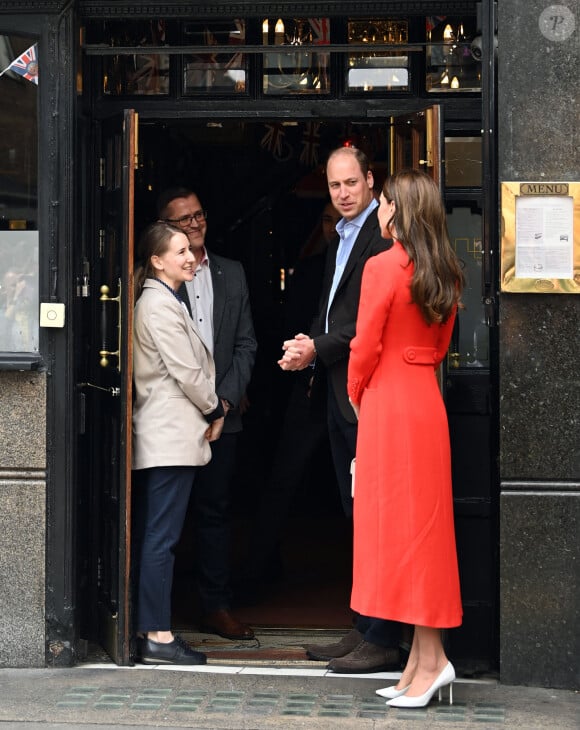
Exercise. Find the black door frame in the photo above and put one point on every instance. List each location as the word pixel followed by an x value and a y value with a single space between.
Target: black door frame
pixel 55 25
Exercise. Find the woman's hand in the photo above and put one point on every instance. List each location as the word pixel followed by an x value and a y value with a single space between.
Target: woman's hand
pixel 215 428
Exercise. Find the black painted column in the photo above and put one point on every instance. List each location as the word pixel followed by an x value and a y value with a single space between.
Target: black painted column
pixel 538 125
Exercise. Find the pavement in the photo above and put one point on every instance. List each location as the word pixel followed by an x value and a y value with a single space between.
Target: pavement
pixel 237 695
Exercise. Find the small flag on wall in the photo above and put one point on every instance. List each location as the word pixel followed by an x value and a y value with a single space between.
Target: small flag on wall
pixel 25 65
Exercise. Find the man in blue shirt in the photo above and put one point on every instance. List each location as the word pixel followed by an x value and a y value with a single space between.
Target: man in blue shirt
pixel 373 644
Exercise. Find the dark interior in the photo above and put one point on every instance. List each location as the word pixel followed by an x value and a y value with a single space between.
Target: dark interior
pixel 264 205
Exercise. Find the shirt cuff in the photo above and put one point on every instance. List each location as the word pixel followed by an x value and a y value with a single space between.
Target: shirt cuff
pixel 215 414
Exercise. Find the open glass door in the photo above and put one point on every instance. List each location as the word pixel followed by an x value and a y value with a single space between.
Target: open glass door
pixel 106 290
pixel 416 141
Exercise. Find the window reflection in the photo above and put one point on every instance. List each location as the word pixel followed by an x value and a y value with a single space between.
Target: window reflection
pixel 299 65
pixel 216 72
pixel 471 339
pixel 463 163
pixel 450 65
pixel 18 203
pixel 139 73
pixel 378 73
pixel 378 70
pixel 19 291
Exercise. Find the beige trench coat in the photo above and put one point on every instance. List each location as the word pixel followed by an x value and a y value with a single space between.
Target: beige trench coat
pixel 174 382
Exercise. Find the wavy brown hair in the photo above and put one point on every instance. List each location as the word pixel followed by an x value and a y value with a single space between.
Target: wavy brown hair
pixel 421 225
pixel 154 241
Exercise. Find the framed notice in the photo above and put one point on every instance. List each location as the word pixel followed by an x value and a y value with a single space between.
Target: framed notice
pixel 540 237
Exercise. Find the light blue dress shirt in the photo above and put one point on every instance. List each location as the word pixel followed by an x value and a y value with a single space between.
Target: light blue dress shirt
pixel 348 232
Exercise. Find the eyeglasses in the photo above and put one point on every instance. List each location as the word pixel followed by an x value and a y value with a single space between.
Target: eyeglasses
pixel 186 220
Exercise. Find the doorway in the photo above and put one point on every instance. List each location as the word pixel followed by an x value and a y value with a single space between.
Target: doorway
pixel 264 189
pixel 263 186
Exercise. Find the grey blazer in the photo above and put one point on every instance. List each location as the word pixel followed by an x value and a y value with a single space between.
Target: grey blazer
pixel 233 333
pixel 174 382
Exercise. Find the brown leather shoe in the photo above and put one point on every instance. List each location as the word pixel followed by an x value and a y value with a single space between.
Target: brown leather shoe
pixel 366 658
pixel 222 623
pixel 326 652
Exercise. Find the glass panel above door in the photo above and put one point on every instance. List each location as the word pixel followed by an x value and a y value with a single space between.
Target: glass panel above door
pixel 296 66
pixel 379 69
pixel 137 74
pixel 451 65
pixel 219 73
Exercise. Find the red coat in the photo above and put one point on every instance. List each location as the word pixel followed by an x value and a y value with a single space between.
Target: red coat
pixel 405 561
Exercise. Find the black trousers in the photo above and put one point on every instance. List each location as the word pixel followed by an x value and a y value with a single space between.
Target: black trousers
pixel 301 437
pixel 160 502
pixel 342 435
pixel 210 505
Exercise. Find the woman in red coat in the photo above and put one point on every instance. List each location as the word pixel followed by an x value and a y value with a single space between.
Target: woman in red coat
pixel 405 561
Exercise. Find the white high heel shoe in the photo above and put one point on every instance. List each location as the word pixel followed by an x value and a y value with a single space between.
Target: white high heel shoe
pixel 391 692
pixel 447 676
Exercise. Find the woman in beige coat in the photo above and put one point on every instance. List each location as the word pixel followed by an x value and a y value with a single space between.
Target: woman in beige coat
pixel 176 414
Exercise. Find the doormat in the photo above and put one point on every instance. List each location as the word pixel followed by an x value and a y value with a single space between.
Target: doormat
pixel 281 646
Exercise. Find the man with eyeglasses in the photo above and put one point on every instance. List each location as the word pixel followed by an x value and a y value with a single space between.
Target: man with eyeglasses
pixel 218 302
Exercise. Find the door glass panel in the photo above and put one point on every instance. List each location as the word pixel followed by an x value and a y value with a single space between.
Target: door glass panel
pixel 470 342
pixel 296 66
pixel 451 66
pixel 378 70
pixel 463 164
pixel 215 72
pixel 18 195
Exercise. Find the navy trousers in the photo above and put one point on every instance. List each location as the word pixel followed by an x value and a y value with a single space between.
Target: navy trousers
pixel 342 435
pixel 161 495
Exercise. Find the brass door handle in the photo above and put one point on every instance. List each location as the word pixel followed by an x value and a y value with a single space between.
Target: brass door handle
pixel 454 359
pixel 104 353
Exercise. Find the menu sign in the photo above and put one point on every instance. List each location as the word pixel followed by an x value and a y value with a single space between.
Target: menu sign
pixel 544 236
pixel 540 242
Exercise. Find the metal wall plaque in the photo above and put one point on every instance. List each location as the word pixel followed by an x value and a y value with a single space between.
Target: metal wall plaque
pixel 540 237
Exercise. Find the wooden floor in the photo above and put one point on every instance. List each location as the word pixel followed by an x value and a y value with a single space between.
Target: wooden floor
pixel 313 593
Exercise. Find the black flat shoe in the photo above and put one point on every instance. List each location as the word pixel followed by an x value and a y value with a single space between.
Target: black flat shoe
pixel 176 652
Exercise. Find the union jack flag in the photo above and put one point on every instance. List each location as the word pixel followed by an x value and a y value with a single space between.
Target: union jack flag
pixel 310 144
pixel 273 141
pixel 25 65
pixel 321 29
pixel 432 21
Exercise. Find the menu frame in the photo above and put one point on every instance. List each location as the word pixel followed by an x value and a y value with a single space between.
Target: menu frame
pixel 552 210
